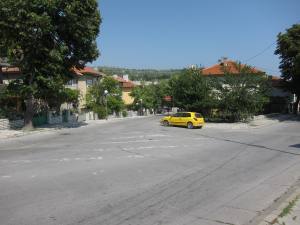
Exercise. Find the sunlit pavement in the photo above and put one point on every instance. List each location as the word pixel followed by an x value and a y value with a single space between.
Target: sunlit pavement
pixel 138 172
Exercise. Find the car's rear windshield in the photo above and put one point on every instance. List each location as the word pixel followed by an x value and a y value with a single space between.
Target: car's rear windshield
pixel 198 115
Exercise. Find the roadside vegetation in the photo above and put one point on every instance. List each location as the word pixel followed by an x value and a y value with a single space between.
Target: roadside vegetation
pixel 105 97
pixel 45 44
pixel 230 98
pixel 140 74
pixel 288 48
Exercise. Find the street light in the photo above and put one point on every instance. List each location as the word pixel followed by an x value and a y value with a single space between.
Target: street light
pixel 141 107
pixel 106 112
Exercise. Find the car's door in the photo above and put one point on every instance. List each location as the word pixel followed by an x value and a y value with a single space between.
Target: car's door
pixel 185 119
pixel 180 119
pixel 173 119
pixel 176 119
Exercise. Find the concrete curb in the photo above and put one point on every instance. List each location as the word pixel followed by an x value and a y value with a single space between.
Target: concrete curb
pixel 291 218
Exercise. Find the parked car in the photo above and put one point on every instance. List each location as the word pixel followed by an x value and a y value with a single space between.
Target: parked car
pixel 186 119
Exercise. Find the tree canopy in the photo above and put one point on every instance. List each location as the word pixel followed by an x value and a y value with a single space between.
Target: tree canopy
pixel 46 39
pixel 97 98
pixel 288 48
pixel 192 91
pixel 242 95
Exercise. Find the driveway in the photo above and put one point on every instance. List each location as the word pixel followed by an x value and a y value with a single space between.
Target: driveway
pixel 140 173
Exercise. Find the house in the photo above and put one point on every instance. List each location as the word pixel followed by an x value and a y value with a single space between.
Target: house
pixel 219 70
pixel 82 80
pixel 126 86
pixel 280 98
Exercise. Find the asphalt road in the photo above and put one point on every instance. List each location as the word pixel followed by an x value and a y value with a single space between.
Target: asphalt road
pixel 139 173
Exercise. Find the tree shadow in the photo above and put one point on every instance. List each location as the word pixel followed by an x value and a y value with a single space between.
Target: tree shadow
pixel 64 125
pixel 283 117
pixel 295 146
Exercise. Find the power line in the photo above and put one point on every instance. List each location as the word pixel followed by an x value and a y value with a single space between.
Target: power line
pixel 258 54
pixel 264 50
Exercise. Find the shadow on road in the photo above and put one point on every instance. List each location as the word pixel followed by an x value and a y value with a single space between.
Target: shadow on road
pixel 295 146
pixel 283 117
pixel 64 125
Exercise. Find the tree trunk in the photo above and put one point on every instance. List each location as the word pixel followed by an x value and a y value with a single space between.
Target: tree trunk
pixel 28 125
pixel 296 104
pixel 1 75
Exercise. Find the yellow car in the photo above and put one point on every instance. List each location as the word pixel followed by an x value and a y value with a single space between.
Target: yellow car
pixel 186 119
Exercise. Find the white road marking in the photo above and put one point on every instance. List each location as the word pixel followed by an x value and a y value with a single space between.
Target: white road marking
pixel 127 142
pixel 6 177
pixel 54 160
pixel 150 147
pixel 141 136
pixel 136 156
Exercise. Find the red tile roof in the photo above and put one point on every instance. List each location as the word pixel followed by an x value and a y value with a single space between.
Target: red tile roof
pixel 88 70
pixel 123 82
pixel 80 72
pixel 231 67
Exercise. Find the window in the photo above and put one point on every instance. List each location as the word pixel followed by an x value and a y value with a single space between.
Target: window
pixel 198 115
pixel 72 82
pixel 89 82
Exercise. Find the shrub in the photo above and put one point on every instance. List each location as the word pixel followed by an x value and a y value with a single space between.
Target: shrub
pixel 124 113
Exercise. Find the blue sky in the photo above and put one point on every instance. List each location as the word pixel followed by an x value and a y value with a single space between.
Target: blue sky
pixel 164 34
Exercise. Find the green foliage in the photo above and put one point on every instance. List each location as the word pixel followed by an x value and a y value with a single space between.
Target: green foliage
pixel 8 104
pixel 124 113
pixel 96 98
pixel 47 40
pixel 149 96
pixel 288 48
pixel 100 110
pixel 192 91
pixel 141 74
pixel 64 95
pixel 242 96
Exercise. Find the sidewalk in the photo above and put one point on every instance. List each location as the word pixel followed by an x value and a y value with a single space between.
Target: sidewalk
pixel 6 134
pixel 287 213
pixel 257 122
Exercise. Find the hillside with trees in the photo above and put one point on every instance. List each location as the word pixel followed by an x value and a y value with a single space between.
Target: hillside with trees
pixel 141 74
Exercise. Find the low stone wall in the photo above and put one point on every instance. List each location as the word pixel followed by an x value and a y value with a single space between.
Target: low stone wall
pixel 54 119
pixel 11 124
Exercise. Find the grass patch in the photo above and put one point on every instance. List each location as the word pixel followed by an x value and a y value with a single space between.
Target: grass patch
pixel 287 210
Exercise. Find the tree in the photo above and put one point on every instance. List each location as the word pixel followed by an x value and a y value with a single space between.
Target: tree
pixel 242 95
pixel 288 48
pixel 46 39
pixel 150 96
pixel 192 91
pixel 97 99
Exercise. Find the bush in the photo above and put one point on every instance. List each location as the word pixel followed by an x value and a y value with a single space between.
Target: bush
pixel 124 113
pixel 100 110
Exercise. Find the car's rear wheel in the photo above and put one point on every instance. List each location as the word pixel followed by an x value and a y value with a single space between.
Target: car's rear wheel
pixel 190 125
pixel 166 123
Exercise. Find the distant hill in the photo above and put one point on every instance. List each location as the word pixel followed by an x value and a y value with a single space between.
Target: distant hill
pixel 140 74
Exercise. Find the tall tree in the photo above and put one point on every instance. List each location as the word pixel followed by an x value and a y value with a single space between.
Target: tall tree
pixel 243 94
pixel 288 48
pixel 192 91
pixel 46 39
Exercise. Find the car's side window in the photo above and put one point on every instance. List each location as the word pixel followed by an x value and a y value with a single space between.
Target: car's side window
pixel 180 114
pixel 198 115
